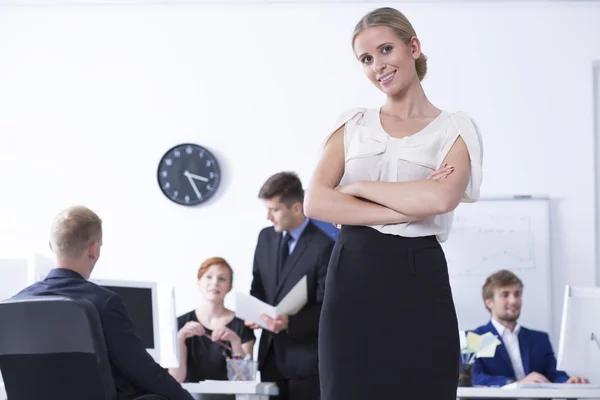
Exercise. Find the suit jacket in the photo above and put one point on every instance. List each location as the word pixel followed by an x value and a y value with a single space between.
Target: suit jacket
pixel 536 353
pixel 135 371
pixel 296 347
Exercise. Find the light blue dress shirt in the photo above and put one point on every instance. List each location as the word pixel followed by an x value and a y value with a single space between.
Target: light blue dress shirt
pixel 296 233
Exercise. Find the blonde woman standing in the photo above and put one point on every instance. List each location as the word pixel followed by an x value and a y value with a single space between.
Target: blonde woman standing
pixel 387 280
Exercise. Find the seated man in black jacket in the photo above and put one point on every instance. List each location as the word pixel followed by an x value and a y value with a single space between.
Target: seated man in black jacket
pixel 76 239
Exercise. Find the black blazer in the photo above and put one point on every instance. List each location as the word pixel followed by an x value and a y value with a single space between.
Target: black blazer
pixel 296 348
pixel 135 371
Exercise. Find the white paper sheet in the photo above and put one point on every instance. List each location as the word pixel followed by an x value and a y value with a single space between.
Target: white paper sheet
pixel 250 308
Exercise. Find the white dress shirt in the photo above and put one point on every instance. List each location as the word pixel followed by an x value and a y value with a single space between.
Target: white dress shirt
pixel 511 342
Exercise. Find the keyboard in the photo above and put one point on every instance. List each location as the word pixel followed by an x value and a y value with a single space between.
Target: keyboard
pixel 516 385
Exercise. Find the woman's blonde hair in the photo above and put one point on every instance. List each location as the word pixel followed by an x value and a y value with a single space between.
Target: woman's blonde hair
pixel 397 22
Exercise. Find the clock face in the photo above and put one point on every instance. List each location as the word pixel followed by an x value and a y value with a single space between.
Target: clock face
pixel 188 174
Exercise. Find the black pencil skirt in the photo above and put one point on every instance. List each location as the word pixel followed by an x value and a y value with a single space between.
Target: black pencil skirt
pixel 388 326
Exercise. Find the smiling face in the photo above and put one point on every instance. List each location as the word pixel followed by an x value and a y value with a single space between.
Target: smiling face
pixel 505 304
pixel 215 283
pixel 388 62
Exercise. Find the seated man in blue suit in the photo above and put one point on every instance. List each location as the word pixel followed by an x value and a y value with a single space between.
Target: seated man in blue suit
pixel 76 239
pixel 525 355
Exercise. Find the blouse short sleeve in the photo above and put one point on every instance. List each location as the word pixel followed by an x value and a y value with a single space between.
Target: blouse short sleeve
pixel 463 126
pixel 348 117
pixel 245 333
pixel 184 319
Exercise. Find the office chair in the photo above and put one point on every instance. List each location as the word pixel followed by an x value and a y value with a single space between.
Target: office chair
pixel 53 348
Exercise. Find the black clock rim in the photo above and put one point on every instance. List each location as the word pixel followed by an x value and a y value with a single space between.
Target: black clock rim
pixel 217 181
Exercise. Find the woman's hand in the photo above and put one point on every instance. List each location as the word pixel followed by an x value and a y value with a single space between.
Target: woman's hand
pixel 225 334
pixel 441 173
pixel 190 329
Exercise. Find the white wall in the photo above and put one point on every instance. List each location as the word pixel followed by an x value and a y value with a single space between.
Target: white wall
pixel 91 97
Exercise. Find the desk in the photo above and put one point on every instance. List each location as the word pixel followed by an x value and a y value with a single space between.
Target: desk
pixel 242 390
pixel 499 393
pixel 249 390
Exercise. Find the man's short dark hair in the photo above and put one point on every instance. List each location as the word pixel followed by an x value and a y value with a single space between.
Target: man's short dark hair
pixel 286 186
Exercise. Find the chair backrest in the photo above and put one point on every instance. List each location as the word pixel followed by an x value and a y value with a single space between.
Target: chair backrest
pixel 53 348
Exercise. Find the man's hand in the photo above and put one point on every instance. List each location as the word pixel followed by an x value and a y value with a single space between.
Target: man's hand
pixel 534 377
pixel 276 325
pixel 577 379
pixel 252 325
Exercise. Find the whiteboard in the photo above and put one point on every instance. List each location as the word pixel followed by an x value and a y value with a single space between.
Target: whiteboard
pixel 495 234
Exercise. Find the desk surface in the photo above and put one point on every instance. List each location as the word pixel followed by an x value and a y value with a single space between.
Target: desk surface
pixel 490 393
pixel 224 387
pixel 232 387
pixel 499 393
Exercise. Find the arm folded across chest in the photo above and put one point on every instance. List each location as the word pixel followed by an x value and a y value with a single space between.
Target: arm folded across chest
pixel 460 147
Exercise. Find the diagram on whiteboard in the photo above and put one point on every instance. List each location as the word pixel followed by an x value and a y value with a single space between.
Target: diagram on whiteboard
pixel 481 245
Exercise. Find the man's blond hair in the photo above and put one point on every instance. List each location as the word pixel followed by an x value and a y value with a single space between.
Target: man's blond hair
pixel 499 279
pixel 74 230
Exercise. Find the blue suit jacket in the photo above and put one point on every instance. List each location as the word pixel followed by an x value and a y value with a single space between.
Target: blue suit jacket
pixel 536 353
pixel 134 371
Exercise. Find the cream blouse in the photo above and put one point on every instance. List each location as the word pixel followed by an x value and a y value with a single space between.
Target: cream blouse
pixel 371 154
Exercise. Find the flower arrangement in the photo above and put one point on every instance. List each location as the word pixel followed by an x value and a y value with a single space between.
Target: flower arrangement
pixel 474 346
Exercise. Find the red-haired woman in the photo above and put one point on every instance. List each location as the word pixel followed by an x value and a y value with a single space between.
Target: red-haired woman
pixel 204 333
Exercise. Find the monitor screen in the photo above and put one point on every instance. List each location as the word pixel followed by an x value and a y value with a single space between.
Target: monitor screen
pixel 139 306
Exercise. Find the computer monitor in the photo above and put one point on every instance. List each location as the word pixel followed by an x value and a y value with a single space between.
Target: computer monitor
pixel 141 301
pixel 167 318
pixel 17 271
pixel 579 344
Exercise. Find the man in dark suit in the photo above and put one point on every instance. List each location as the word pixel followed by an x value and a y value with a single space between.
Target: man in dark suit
pixel 76 239
pixel 525 355
pixel 292 248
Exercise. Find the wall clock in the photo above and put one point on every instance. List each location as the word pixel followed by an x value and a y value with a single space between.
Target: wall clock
pixel 188 174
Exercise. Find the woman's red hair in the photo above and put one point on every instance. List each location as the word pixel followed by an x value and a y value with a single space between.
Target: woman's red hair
pixel 210 262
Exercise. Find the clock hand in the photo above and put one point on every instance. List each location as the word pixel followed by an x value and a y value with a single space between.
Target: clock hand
pixel 200 178
pixel 194 186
